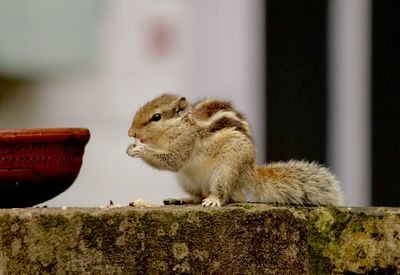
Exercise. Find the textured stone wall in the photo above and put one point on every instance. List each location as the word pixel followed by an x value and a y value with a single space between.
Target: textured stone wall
pixel 237 239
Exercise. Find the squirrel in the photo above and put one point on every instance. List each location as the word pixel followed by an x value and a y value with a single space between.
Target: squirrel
pixel 210 147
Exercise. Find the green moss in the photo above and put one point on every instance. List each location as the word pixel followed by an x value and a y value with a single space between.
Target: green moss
pixel 318 236
pixel 242 205
pixel 377 235
pixel 49 222
pixel 343 240
pixel 359 252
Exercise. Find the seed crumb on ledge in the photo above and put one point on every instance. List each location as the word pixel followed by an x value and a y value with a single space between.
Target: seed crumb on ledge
pixel 111 205
pixel 141 204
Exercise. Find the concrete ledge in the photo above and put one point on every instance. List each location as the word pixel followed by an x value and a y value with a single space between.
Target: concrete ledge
pixel 237 239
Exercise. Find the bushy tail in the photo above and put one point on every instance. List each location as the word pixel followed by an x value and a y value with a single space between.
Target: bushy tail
pixel 295 182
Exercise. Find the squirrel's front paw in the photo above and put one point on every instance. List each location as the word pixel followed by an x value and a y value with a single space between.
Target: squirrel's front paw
pixel 211 202
pixel 134 150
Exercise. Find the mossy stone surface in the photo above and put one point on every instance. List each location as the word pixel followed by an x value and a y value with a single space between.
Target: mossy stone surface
pixel 354 240
pixel 167 240
pixel 235 239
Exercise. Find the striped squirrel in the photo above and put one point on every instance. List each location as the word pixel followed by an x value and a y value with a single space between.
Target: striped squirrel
pixel 210 147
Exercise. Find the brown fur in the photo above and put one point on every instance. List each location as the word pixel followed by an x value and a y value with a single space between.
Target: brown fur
pixel 225 123
pixel 207 108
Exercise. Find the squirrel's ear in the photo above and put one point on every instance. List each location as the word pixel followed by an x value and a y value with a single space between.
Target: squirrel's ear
pixel 182 102
pixel 181 107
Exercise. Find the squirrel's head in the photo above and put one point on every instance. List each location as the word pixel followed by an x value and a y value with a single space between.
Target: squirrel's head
pixel 158 117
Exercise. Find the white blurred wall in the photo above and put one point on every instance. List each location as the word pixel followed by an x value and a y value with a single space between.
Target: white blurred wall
pixel 349 131
pixel 194 48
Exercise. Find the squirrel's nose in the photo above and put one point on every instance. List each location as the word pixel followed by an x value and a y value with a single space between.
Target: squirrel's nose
pixel 132 133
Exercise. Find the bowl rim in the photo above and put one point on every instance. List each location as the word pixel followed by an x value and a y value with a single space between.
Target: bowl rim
pixel 43 134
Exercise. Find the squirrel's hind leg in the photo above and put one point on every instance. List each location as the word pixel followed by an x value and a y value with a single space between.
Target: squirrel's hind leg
pixel 237 196
pixel 221 186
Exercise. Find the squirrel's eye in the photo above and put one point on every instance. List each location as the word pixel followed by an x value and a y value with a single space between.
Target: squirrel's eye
pixel 155 117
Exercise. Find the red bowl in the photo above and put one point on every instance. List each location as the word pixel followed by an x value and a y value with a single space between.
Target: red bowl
pixel 38 164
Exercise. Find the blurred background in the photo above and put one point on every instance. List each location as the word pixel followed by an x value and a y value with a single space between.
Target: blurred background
pixel 317 80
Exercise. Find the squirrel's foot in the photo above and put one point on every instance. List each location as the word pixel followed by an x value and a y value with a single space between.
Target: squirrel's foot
pixel 211 202
pixel 134 150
